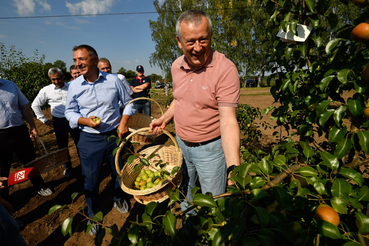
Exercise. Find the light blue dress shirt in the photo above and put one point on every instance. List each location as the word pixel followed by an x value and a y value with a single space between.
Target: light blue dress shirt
pixel 11 99
pixel 100 98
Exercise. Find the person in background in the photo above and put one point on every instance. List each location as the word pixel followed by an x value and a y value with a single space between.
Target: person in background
pixel 9 229
pixel 105 66
pixel 74 72
pixel 141 88
pixel 55 95
pixel 206 92
pixel 14 135
pixel 96 113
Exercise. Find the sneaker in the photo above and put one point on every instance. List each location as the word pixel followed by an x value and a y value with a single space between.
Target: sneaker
pixel 94 229
pixel 122 206
pixel 45 191
pixel 68 172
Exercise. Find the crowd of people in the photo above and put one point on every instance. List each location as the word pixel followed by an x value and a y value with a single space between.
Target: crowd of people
pixel 206 92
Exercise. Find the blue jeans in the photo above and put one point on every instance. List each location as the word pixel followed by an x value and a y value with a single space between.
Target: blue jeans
pixel 206 162
pixel 9 230
pixel 145 107
pixel 94 148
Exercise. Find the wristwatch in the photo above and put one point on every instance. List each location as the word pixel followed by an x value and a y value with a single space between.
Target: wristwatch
pixel 230 169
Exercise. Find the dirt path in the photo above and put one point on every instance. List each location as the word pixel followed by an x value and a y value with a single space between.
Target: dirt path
pixel 43 229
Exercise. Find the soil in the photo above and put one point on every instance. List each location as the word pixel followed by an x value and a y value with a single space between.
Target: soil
pixel 42 229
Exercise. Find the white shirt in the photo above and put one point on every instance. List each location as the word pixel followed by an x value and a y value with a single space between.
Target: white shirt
pixel 56 97
pixel 125 83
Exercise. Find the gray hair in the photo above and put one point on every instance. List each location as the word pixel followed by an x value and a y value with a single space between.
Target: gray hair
pixel 193 16
pixel 55 70
pixel 103 59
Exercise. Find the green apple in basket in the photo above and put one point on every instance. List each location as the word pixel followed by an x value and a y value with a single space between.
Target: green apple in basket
pixel 148 179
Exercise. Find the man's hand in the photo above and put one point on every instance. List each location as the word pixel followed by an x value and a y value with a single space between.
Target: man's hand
pixel 49 122
pixel 33 132
pixel 157 126
pixel 1 183
pixel 93 121
pixel 122 130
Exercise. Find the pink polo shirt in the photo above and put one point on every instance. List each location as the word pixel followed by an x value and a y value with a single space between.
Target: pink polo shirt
pixel 199 92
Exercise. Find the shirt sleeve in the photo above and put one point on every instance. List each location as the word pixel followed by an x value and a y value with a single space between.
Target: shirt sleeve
pixel 72 113
pixel 37 103
pixel 125 98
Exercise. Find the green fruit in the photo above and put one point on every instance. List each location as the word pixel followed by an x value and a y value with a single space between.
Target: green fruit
pixel 149 185
pixel 148 172
pixel 149 180
pixel 143 171
pixel 137 183
pixel 157 181
pixel 151 174
pixel 143 187
pixel 138 178
pixel 143 182
pixel 144 176
pixel 157 174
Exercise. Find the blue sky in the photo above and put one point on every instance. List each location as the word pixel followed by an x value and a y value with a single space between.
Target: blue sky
pixel 124 39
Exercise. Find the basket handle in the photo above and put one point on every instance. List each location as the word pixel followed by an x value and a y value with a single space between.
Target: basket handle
pixel 129 136
pixel 146 98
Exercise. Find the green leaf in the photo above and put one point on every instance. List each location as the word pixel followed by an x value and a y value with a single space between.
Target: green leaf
pixel 303 48
pixel 355 203
pixel 222 234
pixel 280 160
pixel 265 166
pixel 311 5
pixel 336 134
pixel 257 182
pixel 66 227
pixel 352 174
pixel 324 117
pixel 332 44
pixel 257 194
pixel 363 194
pixel 288 52
pixel 238 229
pixel 131 158
pixel 318 41
pixel 330 160
pixel 343 148
pixel 266 237
pixel 98 217
pixel 282 197
pixel 174 170
pixel 341 188
pixel 308 171
pixel 262 215
pixel 339 204
pixel 333 20
pixel 243 181
pixel 328 230
pixel 145 162
pixel 322 106
pixel 315 22
pixel 174 196
pixel 364 140
pixel 169 222
pixel 342 75
pixel 204 200
pixel 55 208
pixel 285 84
pixel 194 190
pixel 352 244
pixel 320 188
pixel 356 106
pixel 339 114
pixel 362 222
pixel 293 26
pixel 134 233
pixel 250 241
pixel 149 208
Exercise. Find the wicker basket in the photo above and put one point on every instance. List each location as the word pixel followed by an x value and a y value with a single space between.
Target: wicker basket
pixel 160 195
pixel 139 121
pixel 172 155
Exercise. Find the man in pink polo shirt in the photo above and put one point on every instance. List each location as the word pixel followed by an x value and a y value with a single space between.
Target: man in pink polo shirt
pixel 206 92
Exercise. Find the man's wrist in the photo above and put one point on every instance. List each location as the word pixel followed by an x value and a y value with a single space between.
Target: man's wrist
pixel 230 169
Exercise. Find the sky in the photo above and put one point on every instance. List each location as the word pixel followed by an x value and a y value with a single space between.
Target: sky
pixel 124 39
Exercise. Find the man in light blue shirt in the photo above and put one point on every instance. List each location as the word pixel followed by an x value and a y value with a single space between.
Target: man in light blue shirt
pixel 94 95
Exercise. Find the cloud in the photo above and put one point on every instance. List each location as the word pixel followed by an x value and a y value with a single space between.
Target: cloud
pixel 3 36
pixel 66 26
pixel 80 21
pixel 126 62
pixel 136 61
pixel 27 7
pixel 90 7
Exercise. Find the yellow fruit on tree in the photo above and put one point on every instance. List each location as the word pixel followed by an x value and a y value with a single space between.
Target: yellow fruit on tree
pixel 327 213
pixel 361 32
pixel 366 113
pixel 365 74
pixel 361 3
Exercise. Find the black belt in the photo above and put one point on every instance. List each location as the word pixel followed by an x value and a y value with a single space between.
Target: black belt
pixel 190 144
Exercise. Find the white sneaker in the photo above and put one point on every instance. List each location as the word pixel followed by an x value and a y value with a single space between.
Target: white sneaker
pixel 122 206
pixel 94 229
pixel 68 172
pixel 45 191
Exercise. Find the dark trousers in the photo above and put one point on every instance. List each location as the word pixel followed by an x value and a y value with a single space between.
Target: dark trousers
pixel 16 140
pixel 94 149
pixel 62 130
